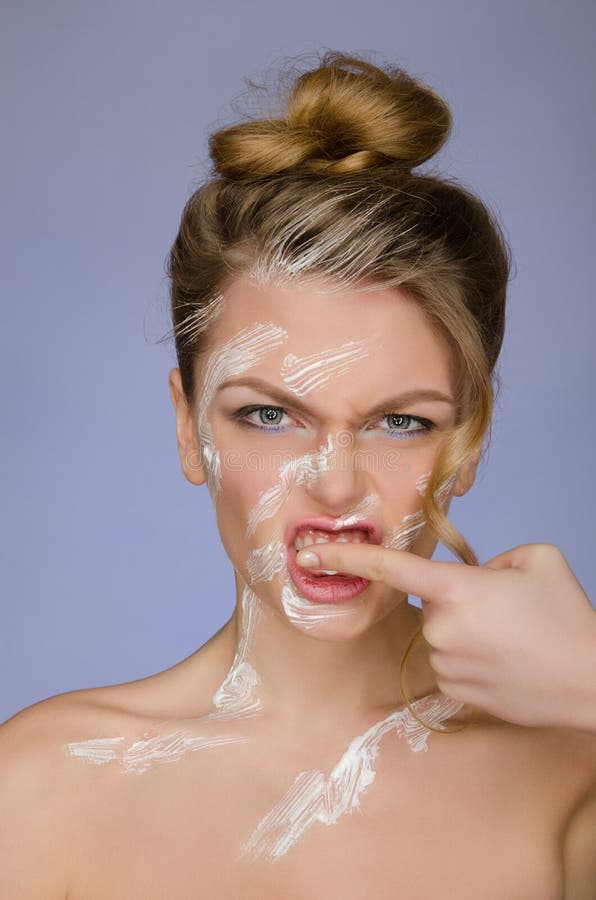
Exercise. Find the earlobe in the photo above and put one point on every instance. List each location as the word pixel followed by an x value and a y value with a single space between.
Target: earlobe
pixel 466 475
pixel 186 432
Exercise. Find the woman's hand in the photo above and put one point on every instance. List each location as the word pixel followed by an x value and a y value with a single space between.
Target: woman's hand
pixel 515 636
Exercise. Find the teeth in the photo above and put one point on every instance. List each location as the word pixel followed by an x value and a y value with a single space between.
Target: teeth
pixel 328 571
pixel 314 536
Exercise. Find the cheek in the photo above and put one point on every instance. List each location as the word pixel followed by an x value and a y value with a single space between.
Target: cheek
pixel 243 489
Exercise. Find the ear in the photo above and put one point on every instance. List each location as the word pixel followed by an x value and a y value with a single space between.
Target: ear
pixel 466 474
pixel 187 435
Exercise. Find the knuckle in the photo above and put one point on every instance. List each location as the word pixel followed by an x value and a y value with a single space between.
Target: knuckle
pixel 544 551
pixel 378 565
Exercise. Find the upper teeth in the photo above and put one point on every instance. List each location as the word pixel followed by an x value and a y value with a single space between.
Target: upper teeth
pixel 307 536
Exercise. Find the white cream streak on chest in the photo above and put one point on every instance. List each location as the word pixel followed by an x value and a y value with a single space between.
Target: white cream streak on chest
pixel 304 374
pixel 240 353
pixel 292 472
pixel 236 698
pixel 315 797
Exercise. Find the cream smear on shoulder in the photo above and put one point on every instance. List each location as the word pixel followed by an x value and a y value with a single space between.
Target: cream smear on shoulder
pixel 236 698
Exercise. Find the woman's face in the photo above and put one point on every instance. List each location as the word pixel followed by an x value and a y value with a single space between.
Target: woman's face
pixel 299 414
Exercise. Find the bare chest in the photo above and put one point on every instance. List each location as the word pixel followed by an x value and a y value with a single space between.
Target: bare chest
pixel 246 822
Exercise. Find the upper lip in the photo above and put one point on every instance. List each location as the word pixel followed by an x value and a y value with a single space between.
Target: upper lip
pixel 328 523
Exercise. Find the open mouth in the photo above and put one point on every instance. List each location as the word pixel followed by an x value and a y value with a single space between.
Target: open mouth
pixel 325 585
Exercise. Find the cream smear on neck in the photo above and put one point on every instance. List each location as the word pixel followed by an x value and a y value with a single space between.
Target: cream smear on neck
pixel 236 698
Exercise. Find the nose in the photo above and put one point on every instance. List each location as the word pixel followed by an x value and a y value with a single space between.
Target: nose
pixel 337 481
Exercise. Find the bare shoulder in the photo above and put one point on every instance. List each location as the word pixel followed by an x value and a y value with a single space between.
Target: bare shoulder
pixel 44 794
pixel 36 804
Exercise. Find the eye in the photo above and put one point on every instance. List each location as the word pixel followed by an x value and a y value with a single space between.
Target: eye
pixel 268 418
pixel 399 425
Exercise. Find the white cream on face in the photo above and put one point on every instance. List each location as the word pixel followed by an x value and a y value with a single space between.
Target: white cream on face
pixel 293 472
pixel 315 797
pixel 242 352
pixel 304 374
pixel 366 507
pixel 309 616
pixel 403 536
pixel 264 563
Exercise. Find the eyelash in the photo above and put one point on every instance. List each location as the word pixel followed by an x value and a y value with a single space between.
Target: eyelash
pixel 240 417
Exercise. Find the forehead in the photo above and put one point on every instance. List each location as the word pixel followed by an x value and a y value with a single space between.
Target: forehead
pixel 402 344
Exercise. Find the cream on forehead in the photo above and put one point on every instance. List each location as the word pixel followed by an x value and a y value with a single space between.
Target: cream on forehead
pixel 315 797
pixel 240 353
pixel 292 472
pixel 304 374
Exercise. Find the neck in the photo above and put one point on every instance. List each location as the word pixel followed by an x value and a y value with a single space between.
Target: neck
pixel 313 684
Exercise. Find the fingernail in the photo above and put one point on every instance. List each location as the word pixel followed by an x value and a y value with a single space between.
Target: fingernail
pixel 307 558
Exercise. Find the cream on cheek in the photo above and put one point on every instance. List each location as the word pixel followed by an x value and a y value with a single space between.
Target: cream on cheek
pixel 293 472
pixel 403 535
pixel 269 560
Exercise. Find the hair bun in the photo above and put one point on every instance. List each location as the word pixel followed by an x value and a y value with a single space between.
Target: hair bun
pixel 346 115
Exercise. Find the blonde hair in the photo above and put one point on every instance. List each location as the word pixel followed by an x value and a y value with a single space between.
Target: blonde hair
pixel 326 190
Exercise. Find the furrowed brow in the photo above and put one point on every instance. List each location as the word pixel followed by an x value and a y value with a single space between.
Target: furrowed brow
pixel 390 404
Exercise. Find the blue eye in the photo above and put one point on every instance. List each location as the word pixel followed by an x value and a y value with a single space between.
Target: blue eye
pixel 399 425
pixel 268 416
pixel 271 417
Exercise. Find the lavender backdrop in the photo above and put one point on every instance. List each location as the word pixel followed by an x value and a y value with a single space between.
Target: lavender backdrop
pixel 112 568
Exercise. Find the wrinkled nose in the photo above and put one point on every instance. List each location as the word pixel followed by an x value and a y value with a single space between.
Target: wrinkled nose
pixel 335 479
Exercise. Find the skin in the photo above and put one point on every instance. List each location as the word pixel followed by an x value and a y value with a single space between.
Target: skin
pixel 469 612
pixel 353 662
pixel 74 831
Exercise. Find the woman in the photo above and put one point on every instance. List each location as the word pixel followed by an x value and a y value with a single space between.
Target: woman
pixel 337 321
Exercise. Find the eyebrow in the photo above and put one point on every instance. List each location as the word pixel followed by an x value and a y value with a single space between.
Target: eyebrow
pixel 287 399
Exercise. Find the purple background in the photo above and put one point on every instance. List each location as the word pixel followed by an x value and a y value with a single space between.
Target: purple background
pixel 112 566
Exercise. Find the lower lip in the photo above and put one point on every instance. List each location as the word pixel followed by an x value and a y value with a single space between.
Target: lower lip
pixel 324 588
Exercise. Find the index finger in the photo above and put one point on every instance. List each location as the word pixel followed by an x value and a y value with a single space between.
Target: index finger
pixel 401 569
